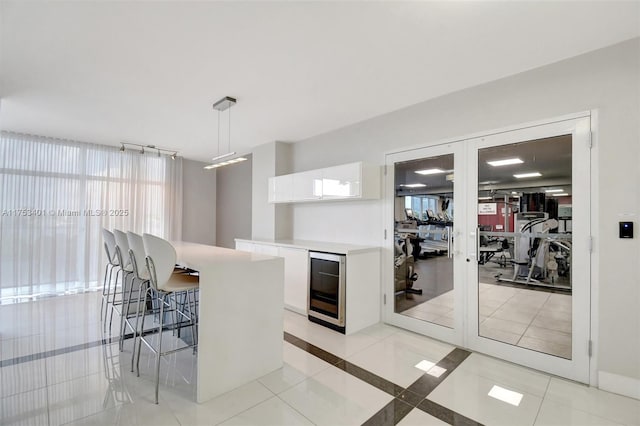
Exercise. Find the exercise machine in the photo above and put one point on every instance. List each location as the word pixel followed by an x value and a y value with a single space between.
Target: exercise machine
pixel 405 274
pixel 540 257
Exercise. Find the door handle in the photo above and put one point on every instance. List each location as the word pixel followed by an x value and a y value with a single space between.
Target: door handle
pixel 478 244
pixel 474 254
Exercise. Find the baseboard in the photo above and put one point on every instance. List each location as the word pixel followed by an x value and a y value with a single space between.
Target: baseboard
pixel 622 385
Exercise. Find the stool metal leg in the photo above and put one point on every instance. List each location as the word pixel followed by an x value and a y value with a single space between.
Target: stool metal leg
pixel 148 291
pixel 159 351
pixel 164 301
pixel 135 327
pixel 104 286
pixel 115 292
pixel 124 318
pixel 105 292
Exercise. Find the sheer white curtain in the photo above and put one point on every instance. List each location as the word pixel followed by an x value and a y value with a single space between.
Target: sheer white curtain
pixel 55 198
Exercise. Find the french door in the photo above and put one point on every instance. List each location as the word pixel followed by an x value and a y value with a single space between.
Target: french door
pixel 424 189
pixel 490 244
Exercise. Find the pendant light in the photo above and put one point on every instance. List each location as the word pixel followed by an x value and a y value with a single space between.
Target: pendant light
pixel 226 158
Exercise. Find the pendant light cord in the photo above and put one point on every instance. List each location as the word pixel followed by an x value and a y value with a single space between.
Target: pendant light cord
pixel 218 132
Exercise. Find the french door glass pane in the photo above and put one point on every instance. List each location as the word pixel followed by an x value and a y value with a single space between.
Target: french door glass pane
pixel 524 244
pixel 423 239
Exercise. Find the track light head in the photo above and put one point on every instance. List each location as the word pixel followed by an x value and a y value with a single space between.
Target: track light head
pixel 149 148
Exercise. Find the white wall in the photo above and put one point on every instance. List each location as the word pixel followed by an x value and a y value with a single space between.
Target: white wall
pixel 269 221
pixel 607 80
pixel 356 222
pixel 233 203
pixel 198 203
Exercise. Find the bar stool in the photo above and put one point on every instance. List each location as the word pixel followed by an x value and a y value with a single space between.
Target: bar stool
pixel 137 257
pixel 112 263
pixel 164 284
pixel 141 273
pixel 126 293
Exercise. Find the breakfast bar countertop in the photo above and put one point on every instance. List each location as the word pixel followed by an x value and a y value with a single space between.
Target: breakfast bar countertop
pixel 328 247
pixel 200 256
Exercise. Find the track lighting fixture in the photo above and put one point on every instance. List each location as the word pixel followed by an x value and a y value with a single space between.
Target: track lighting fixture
pixel 171 152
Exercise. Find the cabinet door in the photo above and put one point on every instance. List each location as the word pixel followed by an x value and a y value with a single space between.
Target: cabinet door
pixel 296 278
pixel 265 249
pixel 307 185
pixel 281 189
pixel 342 181
pixel 244 246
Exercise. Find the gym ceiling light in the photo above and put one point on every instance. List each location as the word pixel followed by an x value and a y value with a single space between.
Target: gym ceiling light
pixel 527 175
pixel 429 171
pixel 505 162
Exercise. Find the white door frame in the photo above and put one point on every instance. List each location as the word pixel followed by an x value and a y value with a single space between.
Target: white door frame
pixel 588 370
pixel 455 335
pixel 577 368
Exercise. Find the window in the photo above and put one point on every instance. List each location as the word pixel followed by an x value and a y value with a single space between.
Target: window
pixel 55 198
pixel 420 205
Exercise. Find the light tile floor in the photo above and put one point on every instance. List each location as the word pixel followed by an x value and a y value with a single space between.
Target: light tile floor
pixel 536 320
pixel 94 385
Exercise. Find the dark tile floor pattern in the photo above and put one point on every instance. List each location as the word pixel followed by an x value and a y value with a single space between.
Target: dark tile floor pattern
pixel 404 400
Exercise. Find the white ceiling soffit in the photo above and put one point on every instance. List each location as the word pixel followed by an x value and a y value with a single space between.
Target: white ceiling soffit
pixel 148 72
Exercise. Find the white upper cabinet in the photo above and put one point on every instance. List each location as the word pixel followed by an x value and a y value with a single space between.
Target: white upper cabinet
pixel 281 189
pixel 347 181
pixel 341 181
pixel 307 186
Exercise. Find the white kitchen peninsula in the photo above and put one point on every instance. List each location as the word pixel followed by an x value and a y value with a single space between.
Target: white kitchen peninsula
pixel 241 315
pixel 362 276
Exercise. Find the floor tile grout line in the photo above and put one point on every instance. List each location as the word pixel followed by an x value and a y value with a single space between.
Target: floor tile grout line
pixel 378 340
pixel 21 416
pixel 326 354
pixel 374 380
pixel 296 341
pixel 380 417
pixel 531 322
pixel 448 358
pixel 51 353
pixel 69 349
pixel 542 400
pixel 46 391
pixel 445 414
pixel 294 408
pixel 252 406
pixel 39 388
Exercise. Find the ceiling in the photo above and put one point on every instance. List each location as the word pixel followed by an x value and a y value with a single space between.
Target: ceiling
pixel 551 157
pixel 148 72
